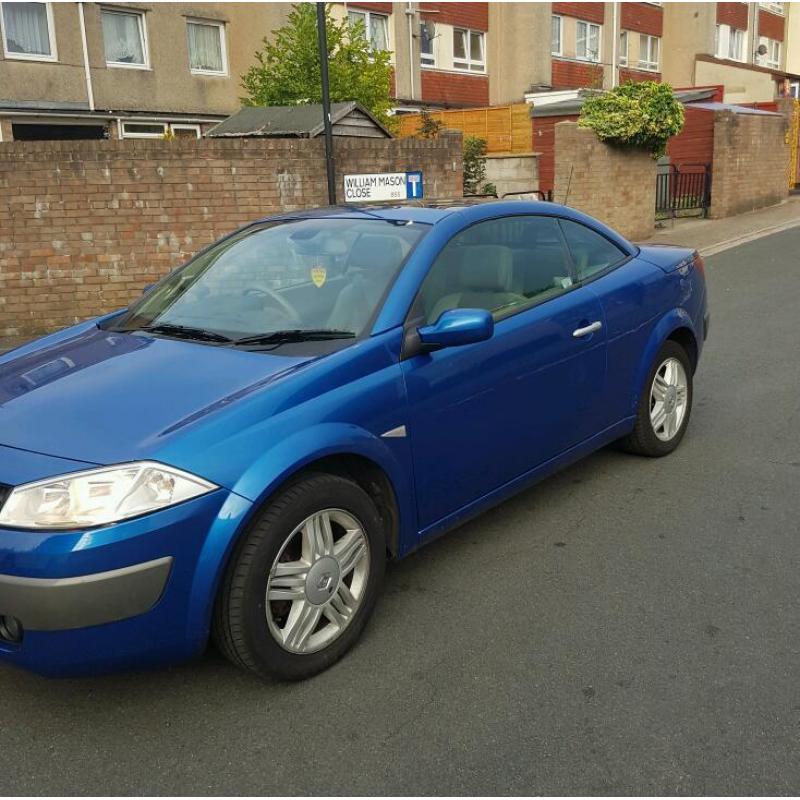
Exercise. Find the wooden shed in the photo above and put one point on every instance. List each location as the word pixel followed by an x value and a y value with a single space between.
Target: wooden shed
pixel 300 121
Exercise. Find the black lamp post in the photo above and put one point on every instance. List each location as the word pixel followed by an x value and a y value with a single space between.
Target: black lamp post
pixel 322 38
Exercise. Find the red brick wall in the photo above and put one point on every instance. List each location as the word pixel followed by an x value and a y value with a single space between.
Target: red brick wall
pixel 576 75
pixel 85 225
pixel 381 8
pixel 733 14
pixel 637 75
pixel 593 12
pixel 544 142
pixel 771 25
pixel 695 143
pixel 462 15
pixel 454 89
pixel 643 18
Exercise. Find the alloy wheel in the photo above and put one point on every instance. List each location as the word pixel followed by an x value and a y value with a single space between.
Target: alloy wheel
pixel 668 399
pixel 318 581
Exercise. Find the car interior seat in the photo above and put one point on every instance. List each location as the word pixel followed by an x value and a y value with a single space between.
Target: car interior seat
pixel 483 275
pixel 371 263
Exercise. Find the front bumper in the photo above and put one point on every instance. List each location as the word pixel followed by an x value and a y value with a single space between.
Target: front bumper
pixel 136 594
pixel 52 604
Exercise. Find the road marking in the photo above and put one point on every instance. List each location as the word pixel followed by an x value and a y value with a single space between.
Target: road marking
pixel 713 249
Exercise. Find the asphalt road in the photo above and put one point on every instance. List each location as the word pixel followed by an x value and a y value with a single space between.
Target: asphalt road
pixel 629 626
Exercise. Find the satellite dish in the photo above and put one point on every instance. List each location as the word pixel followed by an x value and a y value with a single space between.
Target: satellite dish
pixel 762 50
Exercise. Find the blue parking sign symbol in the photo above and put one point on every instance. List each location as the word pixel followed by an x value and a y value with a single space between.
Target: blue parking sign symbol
pixel 414 190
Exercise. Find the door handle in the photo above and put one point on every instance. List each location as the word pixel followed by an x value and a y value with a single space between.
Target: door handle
pixel 580 332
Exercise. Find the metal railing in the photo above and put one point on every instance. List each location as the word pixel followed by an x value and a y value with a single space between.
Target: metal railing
pixel 683 189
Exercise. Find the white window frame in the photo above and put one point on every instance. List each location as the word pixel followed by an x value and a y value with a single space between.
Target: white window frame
pixel 432 56
pixel 368 15
pixel 774 8
pixel 623 54
pixel 648 64
pixel 165 126
pixel 220 26
pixel 588 26
pixel 470 64
pixel 560 50
pixel 51 35
pixel 724 37
pixel 140 15
pixel 772 45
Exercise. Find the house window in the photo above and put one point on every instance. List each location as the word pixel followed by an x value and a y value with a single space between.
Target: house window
pixel 427 37
pixel 555 36
pixel 124 38
pixel 623 48
pixel 376 27
pixel 775 8
pixel 772 58
pixel 587 41
pixel 648 52
pixel 468 50
pixel 729 43
pixel 207 54
pixel 158 130
pixel 27 30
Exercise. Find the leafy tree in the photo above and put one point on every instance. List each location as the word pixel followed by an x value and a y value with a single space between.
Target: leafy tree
pixel 642 115
pixel 429 126
pixel 475 167
pixel 287 71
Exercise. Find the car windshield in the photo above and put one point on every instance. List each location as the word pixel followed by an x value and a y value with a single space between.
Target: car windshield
pixel 284 280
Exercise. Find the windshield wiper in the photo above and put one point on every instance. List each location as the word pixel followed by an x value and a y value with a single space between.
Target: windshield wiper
pixel 183 331
pixel 296 335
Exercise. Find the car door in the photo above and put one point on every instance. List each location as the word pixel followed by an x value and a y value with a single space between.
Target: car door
pixel 485 413
pixel 630 292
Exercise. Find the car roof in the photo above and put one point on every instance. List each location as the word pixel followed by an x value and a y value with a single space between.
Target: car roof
pixel 429 213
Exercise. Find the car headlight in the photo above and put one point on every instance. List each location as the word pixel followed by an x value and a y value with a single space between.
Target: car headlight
pixel 99 496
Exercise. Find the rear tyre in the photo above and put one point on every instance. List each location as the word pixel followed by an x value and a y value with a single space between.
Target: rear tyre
pixel 304 580
pixel 665 404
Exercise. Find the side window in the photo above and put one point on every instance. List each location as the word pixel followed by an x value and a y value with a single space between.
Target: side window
pixel 591 253
pixel 500 265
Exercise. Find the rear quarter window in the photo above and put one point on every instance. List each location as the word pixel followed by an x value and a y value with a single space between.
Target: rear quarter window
pixel 591 252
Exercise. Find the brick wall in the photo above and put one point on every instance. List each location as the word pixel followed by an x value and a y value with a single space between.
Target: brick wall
pixel 593 12
pixel 576 75
pixel 637 75
pixel 85 225
pixel 462 15
pixel 771 25
pixel 733 14
pixel 642 17
pixel 750 158
pixel 615 185
pixel 454 89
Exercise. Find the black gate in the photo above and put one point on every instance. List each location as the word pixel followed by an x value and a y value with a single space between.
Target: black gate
pixel 683 190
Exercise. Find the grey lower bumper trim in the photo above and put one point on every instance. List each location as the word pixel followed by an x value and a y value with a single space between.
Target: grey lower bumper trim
pixel 51 604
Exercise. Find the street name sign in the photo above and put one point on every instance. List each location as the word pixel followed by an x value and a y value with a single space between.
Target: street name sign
pixel 372 186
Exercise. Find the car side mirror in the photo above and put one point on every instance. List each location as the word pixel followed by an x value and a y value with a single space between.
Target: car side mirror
pixel 456 327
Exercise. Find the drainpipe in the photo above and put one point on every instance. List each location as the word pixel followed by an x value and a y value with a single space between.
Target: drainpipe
pixel 410 18
pixel 87 72
pixel 614 44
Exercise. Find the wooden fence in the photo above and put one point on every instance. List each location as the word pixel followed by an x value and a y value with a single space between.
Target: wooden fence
pixel 506 129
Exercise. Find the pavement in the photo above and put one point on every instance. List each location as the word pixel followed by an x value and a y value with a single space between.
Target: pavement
pixel 629 626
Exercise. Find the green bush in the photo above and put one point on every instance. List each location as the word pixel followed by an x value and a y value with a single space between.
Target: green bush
pixel 475 167
pixel 642 115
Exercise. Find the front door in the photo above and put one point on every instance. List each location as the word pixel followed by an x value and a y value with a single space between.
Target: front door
pixel 484 414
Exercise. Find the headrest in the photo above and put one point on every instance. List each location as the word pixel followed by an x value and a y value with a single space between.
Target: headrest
pixel 375 252
pixel 486 267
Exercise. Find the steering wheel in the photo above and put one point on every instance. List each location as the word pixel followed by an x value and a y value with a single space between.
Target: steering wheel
pixel 281 303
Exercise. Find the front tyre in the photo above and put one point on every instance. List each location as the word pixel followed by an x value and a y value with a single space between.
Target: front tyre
pixel 304 581
pixel 665 404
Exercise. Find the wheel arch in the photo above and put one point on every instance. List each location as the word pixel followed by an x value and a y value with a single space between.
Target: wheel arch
pixel 675 326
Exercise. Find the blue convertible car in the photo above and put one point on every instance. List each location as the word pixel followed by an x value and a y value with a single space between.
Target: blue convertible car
pixel 237 454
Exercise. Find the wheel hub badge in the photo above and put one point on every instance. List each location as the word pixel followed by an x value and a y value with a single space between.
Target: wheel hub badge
pixel 322 580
